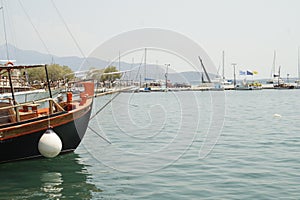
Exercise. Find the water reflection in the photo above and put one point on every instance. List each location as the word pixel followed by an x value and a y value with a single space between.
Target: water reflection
pixel 52 184
pixel 64 177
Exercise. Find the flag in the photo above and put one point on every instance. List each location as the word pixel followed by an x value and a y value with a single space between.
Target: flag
pixel 255 72
pixel 249 73
pixel 242 72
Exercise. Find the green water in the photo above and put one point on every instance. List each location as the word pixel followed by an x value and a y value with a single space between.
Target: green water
pixel 163 148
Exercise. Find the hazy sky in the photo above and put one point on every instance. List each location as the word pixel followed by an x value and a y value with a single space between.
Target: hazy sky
pixel 247 30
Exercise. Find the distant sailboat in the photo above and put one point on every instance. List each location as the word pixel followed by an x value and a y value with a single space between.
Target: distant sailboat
pixel 223 81
pixel 145 87
pixel 209 84
pixel 273 75
pixel 280 83
pixel 276 80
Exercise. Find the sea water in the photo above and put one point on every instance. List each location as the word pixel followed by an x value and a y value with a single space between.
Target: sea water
pixel 174 145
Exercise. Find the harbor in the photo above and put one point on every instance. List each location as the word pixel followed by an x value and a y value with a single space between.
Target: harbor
pixel 256 156
pixel 149 100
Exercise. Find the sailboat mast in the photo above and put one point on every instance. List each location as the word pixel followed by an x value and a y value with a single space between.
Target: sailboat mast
pixel 223 65
pixel 145 64
pixel 166 76
pixel 206 74
pixel 7 56
pixel 4 29
pixel 274 64
pixel 119 61
pixel 279 74
pixel 299 62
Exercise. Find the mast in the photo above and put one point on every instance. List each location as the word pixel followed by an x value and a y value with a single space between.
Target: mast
pixel 223 65
pixel 166 76
pixel 206 74
pixel 274 65
pixel 145 64
pixel 278 74
pixel 234 75
pixel 4 29
pixel 7 56
pixel 298 62
pixel 119 61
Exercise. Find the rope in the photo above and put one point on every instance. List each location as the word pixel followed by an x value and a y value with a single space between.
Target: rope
pixel 99 135
pixel 35 29
pixel 104 106
pixel 98 113
pixel 69 31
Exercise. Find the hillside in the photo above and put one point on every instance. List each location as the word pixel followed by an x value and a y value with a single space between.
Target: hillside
pixel 77 63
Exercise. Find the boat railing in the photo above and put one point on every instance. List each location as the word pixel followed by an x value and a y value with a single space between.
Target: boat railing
pixel 11 112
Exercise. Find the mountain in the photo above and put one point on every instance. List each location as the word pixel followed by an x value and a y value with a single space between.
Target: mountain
pixel 34 57
pixel 76 63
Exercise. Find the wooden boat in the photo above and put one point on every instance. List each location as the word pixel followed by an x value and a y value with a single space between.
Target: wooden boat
pixel 44 127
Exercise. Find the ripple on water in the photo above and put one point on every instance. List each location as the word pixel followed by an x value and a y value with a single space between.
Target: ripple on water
pixel 256 156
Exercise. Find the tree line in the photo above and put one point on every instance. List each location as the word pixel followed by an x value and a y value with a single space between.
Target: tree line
pixel 57 72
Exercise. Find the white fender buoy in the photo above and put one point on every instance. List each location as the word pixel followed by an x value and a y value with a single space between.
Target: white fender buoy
pixel 277 115
pixel 50 144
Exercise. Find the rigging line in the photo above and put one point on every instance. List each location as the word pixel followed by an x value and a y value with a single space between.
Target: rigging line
pixel 136 76
pixel 4 28
pixel 34 28
pixel 69 31
pixel 14 35
pixel 11 20
pixel 106 140
pixel 10 27
pixel 104 106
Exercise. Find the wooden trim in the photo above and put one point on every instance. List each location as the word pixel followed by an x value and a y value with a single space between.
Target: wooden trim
pixel 29 128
